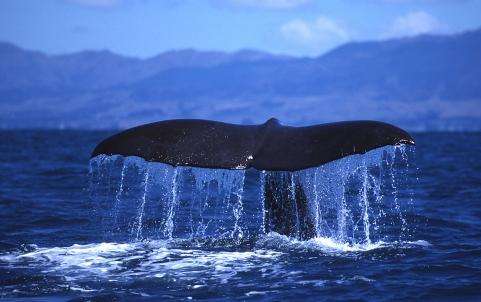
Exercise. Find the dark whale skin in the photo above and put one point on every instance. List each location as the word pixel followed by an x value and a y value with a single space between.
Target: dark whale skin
pixel 269 146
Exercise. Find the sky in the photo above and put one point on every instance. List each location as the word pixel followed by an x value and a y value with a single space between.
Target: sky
pixel 145 28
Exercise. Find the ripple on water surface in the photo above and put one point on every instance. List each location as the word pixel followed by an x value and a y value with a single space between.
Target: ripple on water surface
pixel 168 230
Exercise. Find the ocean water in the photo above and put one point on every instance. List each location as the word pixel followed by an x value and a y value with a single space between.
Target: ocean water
pixel 394 224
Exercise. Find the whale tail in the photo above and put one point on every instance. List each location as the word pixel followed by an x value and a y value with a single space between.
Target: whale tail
pixel 269 147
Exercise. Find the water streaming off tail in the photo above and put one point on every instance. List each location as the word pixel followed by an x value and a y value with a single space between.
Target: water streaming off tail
pixel 143 200
pixel 359 199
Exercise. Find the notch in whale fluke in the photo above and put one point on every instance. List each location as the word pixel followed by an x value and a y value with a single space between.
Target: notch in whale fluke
pixel 269 146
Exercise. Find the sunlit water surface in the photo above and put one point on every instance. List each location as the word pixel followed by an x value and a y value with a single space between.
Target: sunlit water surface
pixel 390 224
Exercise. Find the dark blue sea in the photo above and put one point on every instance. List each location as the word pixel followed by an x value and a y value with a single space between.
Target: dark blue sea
pixel 393 224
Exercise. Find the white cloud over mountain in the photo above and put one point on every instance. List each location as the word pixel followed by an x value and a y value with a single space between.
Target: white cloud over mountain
pixel 319 34
pixel 415 23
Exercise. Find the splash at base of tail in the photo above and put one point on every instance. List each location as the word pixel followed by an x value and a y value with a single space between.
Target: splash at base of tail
pixel 271 147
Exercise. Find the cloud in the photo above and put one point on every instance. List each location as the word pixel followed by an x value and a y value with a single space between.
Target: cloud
pixel 414 23
pixel 272 4
pixel 317 35
pixel 298 30
pixel 96 3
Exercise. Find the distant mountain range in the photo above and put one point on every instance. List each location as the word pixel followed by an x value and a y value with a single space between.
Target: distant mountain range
pixel 424 83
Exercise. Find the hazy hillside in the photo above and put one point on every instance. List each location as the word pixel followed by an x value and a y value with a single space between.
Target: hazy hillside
pixel 422 82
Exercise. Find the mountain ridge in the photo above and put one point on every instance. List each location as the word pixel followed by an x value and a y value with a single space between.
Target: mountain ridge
pixel 423 80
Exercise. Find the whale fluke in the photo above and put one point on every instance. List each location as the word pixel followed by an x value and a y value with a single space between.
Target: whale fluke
pixel 279 150
pixel 269 146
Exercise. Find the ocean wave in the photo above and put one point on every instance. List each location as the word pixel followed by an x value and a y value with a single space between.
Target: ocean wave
pixel 164 259
pixel 325 244
pixel 154 259
pixel 279 242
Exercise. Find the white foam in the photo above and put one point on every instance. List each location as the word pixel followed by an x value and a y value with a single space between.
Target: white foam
pixel 419 243
pixel 256 293
pixel 325 244
pixel 153 260
pixel 121 262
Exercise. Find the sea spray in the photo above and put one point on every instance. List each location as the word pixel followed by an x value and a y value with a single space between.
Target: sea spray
pixel 140 213
pixel 354 200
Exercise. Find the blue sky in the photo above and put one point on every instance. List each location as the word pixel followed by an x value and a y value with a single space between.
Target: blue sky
pixel 144 28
